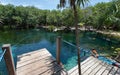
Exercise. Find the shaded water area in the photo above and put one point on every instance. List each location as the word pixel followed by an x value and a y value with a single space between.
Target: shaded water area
pixel 30 40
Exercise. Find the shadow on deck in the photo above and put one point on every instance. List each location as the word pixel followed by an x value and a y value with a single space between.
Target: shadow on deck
pixel 38 62
pixel 41 62
pixel 93 66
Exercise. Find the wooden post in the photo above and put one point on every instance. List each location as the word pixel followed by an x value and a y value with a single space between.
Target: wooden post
pixel 58 49
pixel 9 59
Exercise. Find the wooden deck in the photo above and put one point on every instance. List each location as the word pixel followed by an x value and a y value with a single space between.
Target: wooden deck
pixel 39 62
pixel 93 66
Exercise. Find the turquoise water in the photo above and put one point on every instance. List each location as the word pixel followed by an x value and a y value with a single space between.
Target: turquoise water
pixel 30 40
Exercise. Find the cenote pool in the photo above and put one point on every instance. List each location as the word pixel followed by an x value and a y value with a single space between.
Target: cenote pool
pixel 30 40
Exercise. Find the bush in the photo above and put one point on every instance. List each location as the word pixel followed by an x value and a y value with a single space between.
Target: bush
pixel 51 28
pixel 117 50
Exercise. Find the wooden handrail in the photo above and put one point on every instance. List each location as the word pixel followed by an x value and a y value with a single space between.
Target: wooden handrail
pixel 58 49
pixel 9 59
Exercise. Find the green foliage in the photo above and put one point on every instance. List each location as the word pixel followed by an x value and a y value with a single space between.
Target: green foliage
pixel 68 17
pixel 103 15
pixel 81 24
pixel 17 20
pixel 117 49
pixel 51 28
pixel 100 16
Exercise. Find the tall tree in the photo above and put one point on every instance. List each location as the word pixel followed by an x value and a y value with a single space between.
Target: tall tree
pixel 73 4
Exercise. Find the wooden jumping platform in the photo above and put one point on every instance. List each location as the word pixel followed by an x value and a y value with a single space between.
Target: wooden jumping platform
pixel 93 66
pixel 39 62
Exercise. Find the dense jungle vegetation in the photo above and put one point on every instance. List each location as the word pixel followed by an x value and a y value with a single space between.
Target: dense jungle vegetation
pixel 100 16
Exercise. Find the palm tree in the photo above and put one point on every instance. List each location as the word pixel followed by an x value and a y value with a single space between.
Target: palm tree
pixel 73 4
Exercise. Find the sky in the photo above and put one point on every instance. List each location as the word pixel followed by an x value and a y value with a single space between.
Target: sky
pixel 42 4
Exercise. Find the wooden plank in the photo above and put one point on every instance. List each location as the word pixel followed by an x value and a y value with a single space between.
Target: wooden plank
pixel 32 60
pixel 82 66
pixel 102 69
pixel 29 56
pixel 88 59
pixel 84 69
pixel 75 68
pixel 82 63
pixel 85 64
pixel 53 71
pixel 92 67
pixel 46 70
pixel 72 70
pixel 35 65
pixel 107 70
pixel 97 69
pixel 88 63
pixel 38 63
pixel 37 69
pixel 118 72
pixel 36 51
pixel 113 71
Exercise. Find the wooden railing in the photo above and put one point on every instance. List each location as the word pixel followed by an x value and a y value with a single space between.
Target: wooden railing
pixel 8 59
pixel 58 49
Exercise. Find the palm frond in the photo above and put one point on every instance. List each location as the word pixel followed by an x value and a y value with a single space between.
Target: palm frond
pixel 82 2
pixel 62 3
pixel 71 3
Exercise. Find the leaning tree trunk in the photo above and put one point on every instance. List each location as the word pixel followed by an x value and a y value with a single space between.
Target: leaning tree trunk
pixel 77 37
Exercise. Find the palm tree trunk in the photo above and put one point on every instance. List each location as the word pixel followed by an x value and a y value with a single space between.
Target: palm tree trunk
pixel 77 37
